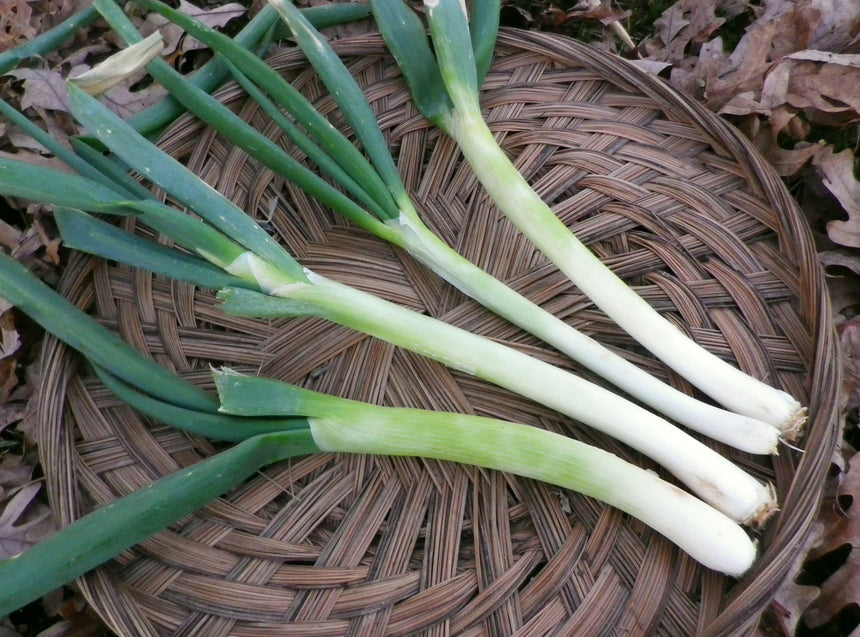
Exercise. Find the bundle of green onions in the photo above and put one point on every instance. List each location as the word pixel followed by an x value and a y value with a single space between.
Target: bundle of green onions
pixel 377 200
pixel 257 277
pixel 444 82
pixel 297 421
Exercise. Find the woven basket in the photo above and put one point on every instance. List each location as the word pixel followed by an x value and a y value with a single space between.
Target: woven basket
pixel 668 195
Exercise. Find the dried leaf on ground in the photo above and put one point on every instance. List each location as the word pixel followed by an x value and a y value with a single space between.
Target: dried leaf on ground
pixel 849 340
pixel 841 589
pixel 796 65
pixel 24 521
pixel 837 170
pixel 45 88
pixel 175 40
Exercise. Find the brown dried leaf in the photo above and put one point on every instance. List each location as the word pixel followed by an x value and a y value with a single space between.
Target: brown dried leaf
pixel 175 39
pixel 825 86
pixel 849 340
pixel 596 10
pixel 24 521
pixel 670 23
pixel 843 587
pixel 837 170
pixel 45 88
pixel 15 23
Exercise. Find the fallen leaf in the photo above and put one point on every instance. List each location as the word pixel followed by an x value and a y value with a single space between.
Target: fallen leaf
pixel 15 23
pixel 176 41
pixel 596 10
pixel 125 102
pixel 842 588
pixel 849 341
pixel 670 23
pixel 24 521
pixel 42 87
pixel 837 171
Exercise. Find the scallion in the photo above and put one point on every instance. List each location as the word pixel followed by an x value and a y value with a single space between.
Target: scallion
pixel 379 195
pixel 446 75
pixel 228 238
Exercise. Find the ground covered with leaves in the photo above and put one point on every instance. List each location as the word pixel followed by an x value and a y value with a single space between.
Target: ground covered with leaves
pixel 785 72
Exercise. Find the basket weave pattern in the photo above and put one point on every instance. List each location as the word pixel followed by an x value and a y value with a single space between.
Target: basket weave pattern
pixel 670 197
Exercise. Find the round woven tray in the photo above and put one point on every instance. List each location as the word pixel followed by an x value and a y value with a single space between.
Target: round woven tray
pixel 668 195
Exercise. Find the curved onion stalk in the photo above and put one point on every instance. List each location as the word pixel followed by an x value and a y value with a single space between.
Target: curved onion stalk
pixel 337 424
pixel 378 194
pixel 445 89
pixel 276 285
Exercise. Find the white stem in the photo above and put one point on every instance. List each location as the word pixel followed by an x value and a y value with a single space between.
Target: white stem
pixel 704 533
pixel 739 431
pixel 706 472
pixel 726 384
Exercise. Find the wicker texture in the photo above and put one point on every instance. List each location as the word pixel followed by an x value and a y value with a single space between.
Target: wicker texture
pixel 669 196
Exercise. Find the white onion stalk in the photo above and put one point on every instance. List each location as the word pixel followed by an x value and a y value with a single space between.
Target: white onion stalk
pixel 723 382
pixel 737 430
pixel 707 473
pixel 458 113
pixel 341 425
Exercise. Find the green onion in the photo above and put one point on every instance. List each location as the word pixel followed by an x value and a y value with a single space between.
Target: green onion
pixel 454 73
pixel 391 204
pixel 273 291
pixel 107 531
pixel 284 288
pixel 337 424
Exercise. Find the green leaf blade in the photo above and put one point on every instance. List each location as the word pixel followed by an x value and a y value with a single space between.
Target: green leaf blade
pixel 219 426
pixel 106 532
pixel 179 181
pixel 43 184
pixel 83 232
pixel 449 28
pixel 346 93
pixel 72 326
pixel 406 38
pixel 484 29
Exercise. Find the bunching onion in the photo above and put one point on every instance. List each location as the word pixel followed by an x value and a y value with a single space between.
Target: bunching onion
pixel 228 251
pixel 444 82
pixel 373 196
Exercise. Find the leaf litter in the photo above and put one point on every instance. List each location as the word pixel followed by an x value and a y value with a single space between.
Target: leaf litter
pixel 788 78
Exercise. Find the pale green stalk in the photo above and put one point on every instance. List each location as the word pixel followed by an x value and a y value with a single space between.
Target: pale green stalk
pixel 400 223
pixel 707 473
pixel 343 425
pixel 452 75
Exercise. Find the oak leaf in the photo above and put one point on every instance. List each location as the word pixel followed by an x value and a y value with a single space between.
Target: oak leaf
pixel 842 588
pixel 24 521
pixel 176 41
pixel 837 171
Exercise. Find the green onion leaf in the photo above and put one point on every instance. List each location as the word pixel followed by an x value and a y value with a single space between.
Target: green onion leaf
pixel 220 426
pixel 104 348
pixel 179 181
pixel 453 45
pixel 407 40
pixel 84 232
pixel 47 41
pixel 346 93
pixel 106 532
pixel 43 184
pixel 484 28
